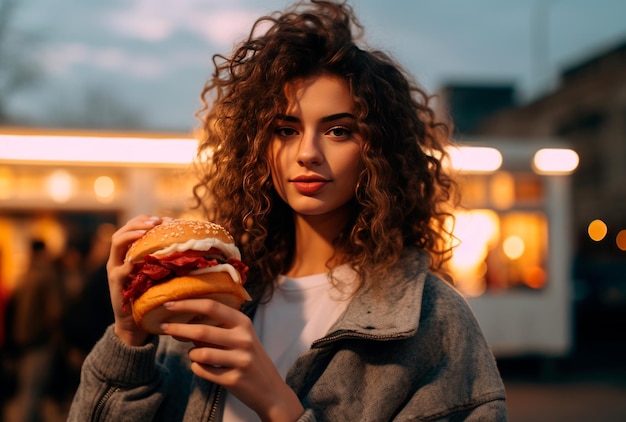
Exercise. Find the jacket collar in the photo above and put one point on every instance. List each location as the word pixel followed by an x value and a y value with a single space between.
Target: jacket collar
pixel 394 312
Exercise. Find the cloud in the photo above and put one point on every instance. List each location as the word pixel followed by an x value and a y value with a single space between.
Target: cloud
pixel 60 59
pixel 63 59
pixel 223 27
pixel 157 20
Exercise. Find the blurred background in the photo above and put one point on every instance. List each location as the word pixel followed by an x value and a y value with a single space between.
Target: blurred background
pixel 97 103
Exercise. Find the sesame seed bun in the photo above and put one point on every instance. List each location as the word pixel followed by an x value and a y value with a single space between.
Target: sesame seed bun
pixel 174 231
pixel 175 236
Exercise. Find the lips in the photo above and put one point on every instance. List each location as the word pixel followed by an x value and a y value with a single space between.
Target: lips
pixel 309 185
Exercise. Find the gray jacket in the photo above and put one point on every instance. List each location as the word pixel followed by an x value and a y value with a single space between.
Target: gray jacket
pixel 415 353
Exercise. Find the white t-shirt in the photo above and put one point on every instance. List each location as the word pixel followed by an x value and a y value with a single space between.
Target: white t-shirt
pixel 300 312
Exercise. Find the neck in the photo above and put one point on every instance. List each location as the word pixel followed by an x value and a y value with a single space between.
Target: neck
pixel 314 236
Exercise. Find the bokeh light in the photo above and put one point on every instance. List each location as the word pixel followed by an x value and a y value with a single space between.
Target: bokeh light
pixel 475 159
pixel 555 161
pixel 104 188
pixel 597 230
pixel 535 277
pixel 61 186
pixel 513 247
pixel 621 240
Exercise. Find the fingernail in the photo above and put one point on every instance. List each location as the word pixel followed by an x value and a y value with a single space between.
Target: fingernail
pixel 168 304
pixel 164 326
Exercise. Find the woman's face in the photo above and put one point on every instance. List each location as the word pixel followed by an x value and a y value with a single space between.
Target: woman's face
pixel 315 151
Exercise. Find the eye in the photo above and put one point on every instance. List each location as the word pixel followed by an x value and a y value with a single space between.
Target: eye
pixel 285 132
pixel 339 132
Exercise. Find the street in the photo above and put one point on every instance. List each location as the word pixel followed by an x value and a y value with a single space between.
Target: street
pixel 573 401
pixel 587 387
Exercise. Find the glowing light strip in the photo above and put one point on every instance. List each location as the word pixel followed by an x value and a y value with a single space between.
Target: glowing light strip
pixel 475 159
pixel 97 149
pixel 555 161
pixel 125 150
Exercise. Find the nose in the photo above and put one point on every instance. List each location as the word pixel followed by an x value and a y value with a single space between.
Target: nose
pixel 310 151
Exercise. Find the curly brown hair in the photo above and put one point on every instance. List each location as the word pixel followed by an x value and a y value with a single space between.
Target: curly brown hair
pixel 403 190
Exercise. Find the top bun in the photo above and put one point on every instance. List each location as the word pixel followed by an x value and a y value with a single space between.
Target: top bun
pixel 173 231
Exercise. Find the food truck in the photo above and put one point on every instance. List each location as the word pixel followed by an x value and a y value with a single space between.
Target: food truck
pixel 513 242
pixel 512 233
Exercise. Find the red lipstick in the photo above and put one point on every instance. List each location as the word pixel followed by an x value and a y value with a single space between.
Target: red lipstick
pixel 309 185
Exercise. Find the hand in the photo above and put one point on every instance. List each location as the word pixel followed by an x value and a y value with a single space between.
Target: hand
pixel 231 355
pixel 118 270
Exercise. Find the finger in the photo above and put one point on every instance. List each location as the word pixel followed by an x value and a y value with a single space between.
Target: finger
pixel 127 234
pixel 222 314
pixel 224 366
pixel 135 226
pixel 238 337
pixel 220 358
pixel 211 336
pixel 121 242
pixel 223 375
pixel 140 222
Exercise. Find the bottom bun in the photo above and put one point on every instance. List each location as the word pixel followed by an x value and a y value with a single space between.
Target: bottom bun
pixel 149 313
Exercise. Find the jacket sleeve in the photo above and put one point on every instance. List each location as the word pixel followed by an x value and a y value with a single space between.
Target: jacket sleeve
pixel 307 416
pixel 118 382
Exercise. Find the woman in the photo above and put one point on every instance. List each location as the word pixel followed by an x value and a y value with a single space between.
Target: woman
pixel 321 159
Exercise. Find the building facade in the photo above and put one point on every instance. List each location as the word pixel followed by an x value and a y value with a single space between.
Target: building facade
pixel 586 111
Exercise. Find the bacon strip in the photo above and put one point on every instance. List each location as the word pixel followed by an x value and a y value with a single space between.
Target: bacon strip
pixel 155 270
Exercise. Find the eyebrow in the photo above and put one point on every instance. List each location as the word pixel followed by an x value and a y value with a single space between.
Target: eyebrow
pixel 325 119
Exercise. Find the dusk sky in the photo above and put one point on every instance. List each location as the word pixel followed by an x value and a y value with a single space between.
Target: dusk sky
pixel 152 56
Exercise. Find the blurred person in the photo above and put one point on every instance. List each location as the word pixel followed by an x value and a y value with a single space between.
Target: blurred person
pixel 99 248
pixel 69 266
pixel 91 313
pixel 96 297
pixel 88 311
pixel 5 309
pixel 324 161
pixel 7 352
pixel 5 295
pixel 38 306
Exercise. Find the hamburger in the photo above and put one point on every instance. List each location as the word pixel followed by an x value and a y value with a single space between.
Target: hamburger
pixel 180 259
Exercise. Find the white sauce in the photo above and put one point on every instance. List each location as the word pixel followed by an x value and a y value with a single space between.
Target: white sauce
pixel 229 250
pixel 227 268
